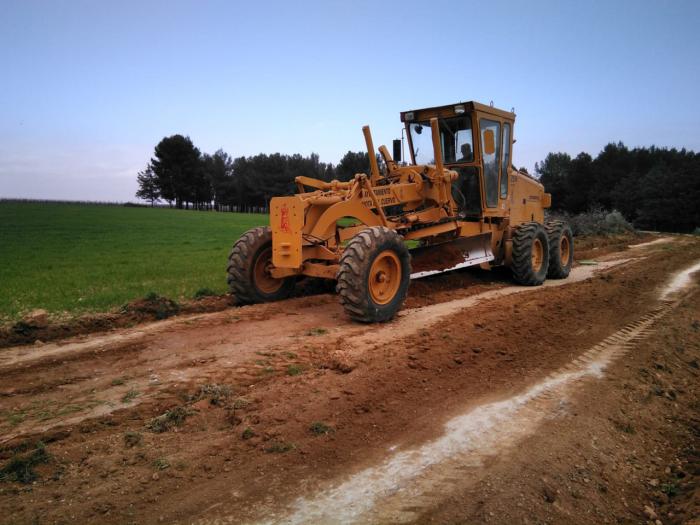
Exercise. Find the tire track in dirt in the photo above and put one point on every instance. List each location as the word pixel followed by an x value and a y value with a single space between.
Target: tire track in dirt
pixel 412 321
pixel 662 240
pixel 411 482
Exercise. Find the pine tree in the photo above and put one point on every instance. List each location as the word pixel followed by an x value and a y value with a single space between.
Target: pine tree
pixel 148 186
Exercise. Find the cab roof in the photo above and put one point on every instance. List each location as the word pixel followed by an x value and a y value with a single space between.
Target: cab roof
pixel 450 110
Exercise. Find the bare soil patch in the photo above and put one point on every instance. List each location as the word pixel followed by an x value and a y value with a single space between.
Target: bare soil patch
pixel 593 246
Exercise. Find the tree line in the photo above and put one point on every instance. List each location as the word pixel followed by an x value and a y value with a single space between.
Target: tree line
pixel 654 188
pixel 180 174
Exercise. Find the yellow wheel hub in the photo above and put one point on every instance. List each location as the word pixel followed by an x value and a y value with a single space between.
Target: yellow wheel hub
pixel 385 277
pixel 537 255
pixel 261 273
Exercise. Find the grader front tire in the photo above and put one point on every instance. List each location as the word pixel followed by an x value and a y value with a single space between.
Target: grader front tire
pixel 249 278
pixel 374 275
pixel 530 254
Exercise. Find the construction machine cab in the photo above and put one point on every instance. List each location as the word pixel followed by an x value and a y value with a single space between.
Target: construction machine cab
pixel 476 142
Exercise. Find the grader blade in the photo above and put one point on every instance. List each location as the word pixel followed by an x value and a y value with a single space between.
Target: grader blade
pixel 452 255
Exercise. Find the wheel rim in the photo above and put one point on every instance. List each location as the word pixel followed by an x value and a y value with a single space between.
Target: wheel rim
pixel 384 277
pixel 564 250
pixel 261 273
pixel 537 255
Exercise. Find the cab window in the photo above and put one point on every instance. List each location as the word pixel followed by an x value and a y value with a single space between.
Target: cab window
pixel 491 160
pixel 455 140
pixel 456 137
pixel 505 163
pixel 422 143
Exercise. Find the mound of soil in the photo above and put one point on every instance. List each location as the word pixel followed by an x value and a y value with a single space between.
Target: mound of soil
pixel 152 308
pixel 156 306
pixel 438 257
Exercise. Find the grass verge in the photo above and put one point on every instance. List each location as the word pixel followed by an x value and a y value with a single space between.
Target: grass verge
pixel 86 258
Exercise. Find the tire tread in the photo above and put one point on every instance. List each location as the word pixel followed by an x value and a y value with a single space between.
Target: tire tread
pixel 239 269
pixel 352 287
pixel 523 238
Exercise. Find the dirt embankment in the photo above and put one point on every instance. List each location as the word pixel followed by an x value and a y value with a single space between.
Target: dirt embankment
pixel 38 326
pixel 259 412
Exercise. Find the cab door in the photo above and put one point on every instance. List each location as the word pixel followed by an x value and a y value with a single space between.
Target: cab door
pixel 490 142
pixel 505 163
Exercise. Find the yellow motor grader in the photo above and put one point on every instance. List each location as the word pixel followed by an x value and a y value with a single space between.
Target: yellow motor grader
pixel 458 203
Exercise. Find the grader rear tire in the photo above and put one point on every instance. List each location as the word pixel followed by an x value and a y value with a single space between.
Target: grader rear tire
pixel 530 254
pixel 249 278
pixel 561 249
pixel 374 274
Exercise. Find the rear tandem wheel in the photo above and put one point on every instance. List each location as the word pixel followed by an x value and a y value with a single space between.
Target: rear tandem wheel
pixel 561 249
pixel 530 254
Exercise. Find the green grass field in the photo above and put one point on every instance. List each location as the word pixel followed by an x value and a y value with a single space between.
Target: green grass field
pixel 82 258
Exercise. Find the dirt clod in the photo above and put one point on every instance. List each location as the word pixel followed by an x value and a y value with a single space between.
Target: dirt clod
pixel 37 318
pixel 549 494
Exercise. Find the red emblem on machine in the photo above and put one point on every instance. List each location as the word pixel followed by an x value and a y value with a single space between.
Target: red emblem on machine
pixel 284 219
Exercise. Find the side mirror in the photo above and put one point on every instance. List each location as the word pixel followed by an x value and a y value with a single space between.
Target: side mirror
pixel 489 142
pixel 397 150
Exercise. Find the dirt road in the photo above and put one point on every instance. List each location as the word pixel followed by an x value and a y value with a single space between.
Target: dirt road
pixel 574 402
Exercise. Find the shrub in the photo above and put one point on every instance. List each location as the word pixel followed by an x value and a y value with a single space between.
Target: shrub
pixel 161 464
pixel 240 403
pixel 614 222
pixel 21 467
pixel 596 221
pixel 279 447
pixel 130 396
pixel 217 394
pixel 318 428
pixel 670 489
pixel 174 417
pixel 131 439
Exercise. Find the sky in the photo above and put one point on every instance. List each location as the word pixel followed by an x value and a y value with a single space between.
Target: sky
pixel 88 88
